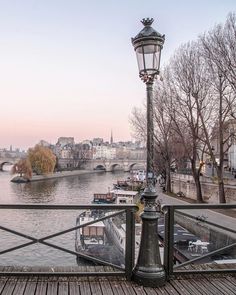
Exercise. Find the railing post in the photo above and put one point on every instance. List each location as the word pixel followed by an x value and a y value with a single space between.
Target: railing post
pixel 130 243
pixel 169 241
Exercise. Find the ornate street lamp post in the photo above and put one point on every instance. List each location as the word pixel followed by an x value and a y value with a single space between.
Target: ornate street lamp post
pixel 148 270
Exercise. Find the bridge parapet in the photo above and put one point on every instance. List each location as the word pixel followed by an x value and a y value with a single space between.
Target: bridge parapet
pixel 109 165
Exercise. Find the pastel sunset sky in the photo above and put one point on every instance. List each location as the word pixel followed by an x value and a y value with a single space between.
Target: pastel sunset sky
pixel 68 68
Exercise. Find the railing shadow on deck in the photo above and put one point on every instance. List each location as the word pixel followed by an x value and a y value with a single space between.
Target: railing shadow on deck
pixel 194 216
pixel 109 268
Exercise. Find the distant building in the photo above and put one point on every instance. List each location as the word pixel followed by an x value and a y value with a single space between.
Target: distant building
pixel 97 141
pixel 104 152
pixel 62 141
pixel 229 135
pixel 44 143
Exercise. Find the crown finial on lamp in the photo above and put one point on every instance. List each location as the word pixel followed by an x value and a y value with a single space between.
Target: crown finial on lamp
pixel 147 22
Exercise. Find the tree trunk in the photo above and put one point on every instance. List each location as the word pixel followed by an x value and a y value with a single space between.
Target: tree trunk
pixel 168 180
pixel 222 198
pixel 198 188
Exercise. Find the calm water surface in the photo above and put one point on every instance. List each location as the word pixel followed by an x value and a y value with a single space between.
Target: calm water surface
pixel 39 223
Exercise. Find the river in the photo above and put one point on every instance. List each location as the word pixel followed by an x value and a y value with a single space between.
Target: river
pixel 38 223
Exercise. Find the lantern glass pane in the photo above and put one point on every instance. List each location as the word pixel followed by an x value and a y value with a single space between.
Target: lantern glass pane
pixel 140 60
pixel 149 49
pixel 151 57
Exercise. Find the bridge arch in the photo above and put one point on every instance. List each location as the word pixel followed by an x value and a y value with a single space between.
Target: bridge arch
pixel 112 167
pixel 3 163
pixel 139 166
pixel 100 167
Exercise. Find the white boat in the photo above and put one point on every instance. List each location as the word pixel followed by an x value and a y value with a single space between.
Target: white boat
pixel 125 197
pixel 116 233
pixel 116 196
pixel 115 227
pixel 89 235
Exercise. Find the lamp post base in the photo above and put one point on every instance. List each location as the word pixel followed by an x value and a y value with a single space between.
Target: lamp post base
pixel 148 278
pixel 149 271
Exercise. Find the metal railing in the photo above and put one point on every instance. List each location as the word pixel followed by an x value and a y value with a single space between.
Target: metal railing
pixel 170 212
pixel 128 210
pixel 169 246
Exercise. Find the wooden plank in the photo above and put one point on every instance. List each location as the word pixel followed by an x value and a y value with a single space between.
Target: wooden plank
pixel 170 289
pixel 63 288
pixel 218 283
pixel 116 288
pixel 3 283
pixel 9 286
pixel 20 287
pixel 150 291
pixel 138 289
pixel 85 287
pixel 52 287
pixel 74 288
pixel 232 280
pixel 164 290
pixel 41 288
pixel 94 283
pixel 229 284
pixel 127 288
pixel 192 289
pixel 105 286
pixel 95 288
pixel 206 286
pixel 30 288
pixel 179 287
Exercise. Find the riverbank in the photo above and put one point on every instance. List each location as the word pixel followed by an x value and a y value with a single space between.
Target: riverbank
pixel 58 175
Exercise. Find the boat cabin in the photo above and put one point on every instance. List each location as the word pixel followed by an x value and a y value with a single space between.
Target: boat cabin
pixel 108 198
pixel 91 234
pixel 125 197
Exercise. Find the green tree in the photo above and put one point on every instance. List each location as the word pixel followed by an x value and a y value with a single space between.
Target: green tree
pixel 23 167
pixel 42 159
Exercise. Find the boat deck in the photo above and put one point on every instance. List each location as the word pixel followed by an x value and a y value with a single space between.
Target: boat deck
pixel 50 285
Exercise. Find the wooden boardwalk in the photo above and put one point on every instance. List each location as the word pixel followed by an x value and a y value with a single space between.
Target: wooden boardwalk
pixel 90 285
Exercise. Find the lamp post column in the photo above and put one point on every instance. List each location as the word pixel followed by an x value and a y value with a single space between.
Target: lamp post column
pixel 148 270
pixel 150 132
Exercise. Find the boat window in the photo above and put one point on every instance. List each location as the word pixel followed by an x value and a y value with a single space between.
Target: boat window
pixel 122 201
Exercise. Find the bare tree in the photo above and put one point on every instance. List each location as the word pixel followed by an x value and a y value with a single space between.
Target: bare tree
pixel 138 123
pixel 218 49
pixel 188 85
pixel 165 142
pixel 162 134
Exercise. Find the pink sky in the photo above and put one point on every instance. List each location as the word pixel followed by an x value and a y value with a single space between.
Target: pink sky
pixel 69 70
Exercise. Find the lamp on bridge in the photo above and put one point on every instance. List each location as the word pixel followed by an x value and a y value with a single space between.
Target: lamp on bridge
pixel 148 270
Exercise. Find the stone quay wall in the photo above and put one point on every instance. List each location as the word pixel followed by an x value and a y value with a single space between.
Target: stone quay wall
pixel 185 183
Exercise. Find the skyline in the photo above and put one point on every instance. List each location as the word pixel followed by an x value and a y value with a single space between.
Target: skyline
pixel 68 68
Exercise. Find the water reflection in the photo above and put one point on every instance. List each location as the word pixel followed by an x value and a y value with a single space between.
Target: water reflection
pixel 37 223
pixel 35 192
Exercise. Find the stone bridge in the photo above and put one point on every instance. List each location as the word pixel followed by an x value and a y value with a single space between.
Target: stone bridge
pixel 109 165
pixel 10 161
